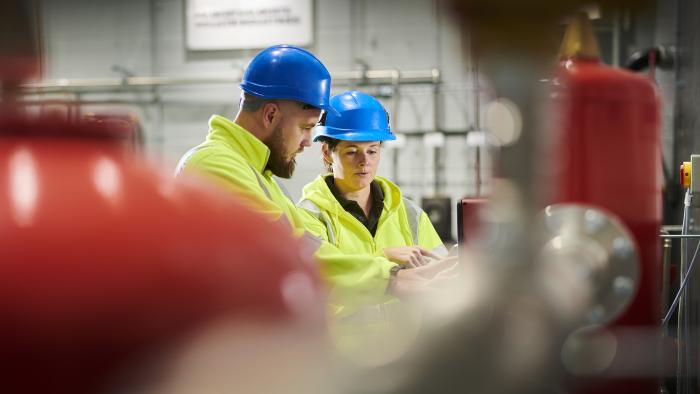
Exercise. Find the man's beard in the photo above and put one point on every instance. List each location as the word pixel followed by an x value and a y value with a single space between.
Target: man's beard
pixel 278 163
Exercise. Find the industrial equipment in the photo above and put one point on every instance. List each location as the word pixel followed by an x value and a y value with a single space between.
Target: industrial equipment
pixel 606 156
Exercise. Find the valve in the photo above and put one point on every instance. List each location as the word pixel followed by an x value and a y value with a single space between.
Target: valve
pixel 686 173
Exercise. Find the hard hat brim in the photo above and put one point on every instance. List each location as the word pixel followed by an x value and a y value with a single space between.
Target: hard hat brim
pixel 353 135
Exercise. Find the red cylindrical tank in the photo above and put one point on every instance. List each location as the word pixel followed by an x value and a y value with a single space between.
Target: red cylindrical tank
pixel 607 154
pixel 105 261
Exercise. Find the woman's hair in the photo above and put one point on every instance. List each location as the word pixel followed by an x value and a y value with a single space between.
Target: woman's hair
pixel 331 143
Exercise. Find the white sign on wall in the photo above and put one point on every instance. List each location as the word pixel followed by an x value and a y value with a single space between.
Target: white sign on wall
pixel 237 24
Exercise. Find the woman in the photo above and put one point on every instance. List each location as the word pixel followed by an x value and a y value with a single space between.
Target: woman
pixel 361 212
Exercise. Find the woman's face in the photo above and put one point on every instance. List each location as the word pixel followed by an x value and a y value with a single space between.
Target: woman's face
pixel 354 163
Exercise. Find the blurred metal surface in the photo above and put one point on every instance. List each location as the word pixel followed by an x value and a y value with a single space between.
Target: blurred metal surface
pixel 511 340
pixel 601 251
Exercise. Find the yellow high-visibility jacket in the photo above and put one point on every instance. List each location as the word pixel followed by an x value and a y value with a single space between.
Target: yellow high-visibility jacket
pixel 237 159
pixel 367 331
pixel 402 223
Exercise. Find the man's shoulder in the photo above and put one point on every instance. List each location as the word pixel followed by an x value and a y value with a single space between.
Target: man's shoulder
pixel 212 153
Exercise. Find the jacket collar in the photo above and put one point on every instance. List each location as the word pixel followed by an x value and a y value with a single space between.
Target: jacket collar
pixel 320 194
pixel 241 140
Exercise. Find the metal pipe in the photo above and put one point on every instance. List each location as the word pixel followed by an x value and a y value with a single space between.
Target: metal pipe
pixel 681 299
pixel 437 150
pixel 359 77
pixel 395 104
pixel 665 277
pixel 684 236
pixel 616 38
pixel 477 171
pixel 83 101
pixel 671 228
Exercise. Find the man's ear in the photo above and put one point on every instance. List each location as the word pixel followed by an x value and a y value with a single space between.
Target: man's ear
pixel 271 115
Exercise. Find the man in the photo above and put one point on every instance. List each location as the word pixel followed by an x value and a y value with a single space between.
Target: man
pixel 285 88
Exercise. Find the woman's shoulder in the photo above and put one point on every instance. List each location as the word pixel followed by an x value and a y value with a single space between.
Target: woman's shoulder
pixel 315 193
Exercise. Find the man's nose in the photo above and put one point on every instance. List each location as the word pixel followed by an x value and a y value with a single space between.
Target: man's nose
pixel 306 141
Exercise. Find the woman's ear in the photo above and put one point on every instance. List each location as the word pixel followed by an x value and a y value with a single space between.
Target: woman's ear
pixel 326 152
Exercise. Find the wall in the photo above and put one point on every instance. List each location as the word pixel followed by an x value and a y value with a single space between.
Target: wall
pixel 98 38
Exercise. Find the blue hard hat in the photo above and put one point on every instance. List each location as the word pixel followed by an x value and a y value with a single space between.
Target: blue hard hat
pixel 357 117
pixel 287 72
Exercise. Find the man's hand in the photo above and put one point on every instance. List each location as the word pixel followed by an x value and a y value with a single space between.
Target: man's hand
pixel 410 256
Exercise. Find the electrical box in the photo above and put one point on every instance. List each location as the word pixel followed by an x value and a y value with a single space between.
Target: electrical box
pixel 439 211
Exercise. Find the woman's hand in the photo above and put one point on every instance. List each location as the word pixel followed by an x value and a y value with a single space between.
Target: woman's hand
pixel 410 256
pixel 413 283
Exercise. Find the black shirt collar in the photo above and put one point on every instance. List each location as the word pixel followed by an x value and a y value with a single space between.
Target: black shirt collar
pixel 353 208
